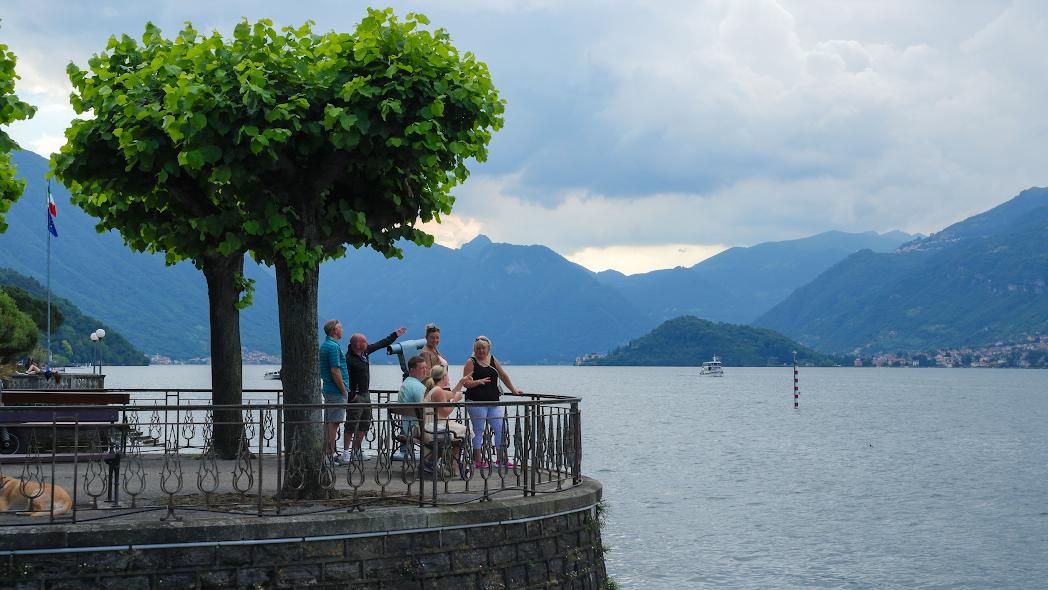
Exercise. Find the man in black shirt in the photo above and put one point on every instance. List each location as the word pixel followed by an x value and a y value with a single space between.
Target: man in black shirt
pixel 358 420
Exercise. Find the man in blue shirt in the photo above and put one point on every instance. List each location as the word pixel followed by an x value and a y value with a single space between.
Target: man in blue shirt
pixel 412 390
pixel 334 375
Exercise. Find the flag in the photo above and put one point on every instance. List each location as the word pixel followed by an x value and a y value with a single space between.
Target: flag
pixel 52 212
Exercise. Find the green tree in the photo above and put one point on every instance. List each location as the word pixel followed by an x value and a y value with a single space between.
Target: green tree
pixel 306 143
pixel 11 109
pixel 35 308
pixel 18 333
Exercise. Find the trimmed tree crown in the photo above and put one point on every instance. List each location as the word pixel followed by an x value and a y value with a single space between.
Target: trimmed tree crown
pixel 287 143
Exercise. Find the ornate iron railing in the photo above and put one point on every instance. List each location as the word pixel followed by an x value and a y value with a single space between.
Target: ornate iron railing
pixel 158 455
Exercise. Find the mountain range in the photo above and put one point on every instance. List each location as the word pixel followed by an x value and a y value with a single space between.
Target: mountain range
pixel 977 281
pixel 740 284
pixel 535 305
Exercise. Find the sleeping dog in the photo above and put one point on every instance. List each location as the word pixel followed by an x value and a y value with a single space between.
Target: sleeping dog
pixel 12 498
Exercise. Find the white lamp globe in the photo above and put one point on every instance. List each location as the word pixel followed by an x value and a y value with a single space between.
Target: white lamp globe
pixel 100 333
pixel 94 337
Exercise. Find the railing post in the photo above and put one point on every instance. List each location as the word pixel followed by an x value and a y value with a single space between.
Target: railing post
pixel 576 444
pixel 261 459
pixel 532 438
pixel 280 455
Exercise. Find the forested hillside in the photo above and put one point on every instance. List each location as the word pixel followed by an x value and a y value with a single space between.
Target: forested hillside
pixel 689 341
pixel 957 288
pixel 72 340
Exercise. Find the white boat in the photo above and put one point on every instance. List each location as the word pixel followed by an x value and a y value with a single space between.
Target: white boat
pixel 272 375
pixel 712 368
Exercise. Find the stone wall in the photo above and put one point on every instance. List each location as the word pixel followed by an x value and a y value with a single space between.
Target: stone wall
pixel 17 382
pixel 551 541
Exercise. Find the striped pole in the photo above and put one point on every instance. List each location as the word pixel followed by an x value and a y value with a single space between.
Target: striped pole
pixel 796 389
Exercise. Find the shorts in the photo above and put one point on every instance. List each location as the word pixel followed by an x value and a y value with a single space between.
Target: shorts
pixel 358 419
pixel 334 414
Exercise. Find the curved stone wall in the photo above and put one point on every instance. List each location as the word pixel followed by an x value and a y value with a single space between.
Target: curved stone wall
pixel 547 541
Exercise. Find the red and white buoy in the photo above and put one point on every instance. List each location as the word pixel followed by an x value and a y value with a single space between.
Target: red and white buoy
pixel 796 388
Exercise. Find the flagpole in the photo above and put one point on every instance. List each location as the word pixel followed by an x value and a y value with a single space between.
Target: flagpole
pixel 49 274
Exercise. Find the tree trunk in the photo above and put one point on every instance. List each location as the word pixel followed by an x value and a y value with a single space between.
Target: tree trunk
pixel 300 372
pixel 227 373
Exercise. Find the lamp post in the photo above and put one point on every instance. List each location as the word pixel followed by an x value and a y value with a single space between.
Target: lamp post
pixel 99 335
pixel 94 351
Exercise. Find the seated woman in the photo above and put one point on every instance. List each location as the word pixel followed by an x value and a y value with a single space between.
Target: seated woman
pixel 30 367
pixel 435 393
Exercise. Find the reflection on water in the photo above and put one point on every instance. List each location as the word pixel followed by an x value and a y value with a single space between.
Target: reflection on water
pixel 884 478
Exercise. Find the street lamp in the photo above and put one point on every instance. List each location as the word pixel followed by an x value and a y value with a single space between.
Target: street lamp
pixel 99 335
pixel 94 351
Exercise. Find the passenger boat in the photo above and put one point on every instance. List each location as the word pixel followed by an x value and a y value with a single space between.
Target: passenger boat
pixel 712 368
pixel 273 375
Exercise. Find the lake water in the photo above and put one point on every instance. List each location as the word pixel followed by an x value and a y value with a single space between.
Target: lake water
pixel 884 478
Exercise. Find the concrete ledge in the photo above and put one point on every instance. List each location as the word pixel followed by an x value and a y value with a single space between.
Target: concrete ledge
pixel 242 527
pixel 547 542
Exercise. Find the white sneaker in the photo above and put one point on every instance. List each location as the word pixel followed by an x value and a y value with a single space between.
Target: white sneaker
pixel 361 456
pixel 346 456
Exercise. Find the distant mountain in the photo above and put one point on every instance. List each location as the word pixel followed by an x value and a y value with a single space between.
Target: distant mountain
pixel 535 306
pixel 1006 216
pixel 689 341
pixel 977 281
pixel 72 341
pixel 740 284
pixel 159 309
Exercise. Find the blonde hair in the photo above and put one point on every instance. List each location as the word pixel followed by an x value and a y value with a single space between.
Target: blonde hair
pixel 481 341
pixel 436 374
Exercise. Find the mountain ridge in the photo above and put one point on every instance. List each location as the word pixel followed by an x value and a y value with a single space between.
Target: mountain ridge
pixel 957 288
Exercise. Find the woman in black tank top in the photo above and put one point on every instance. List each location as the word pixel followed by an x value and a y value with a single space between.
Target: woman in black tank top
pixel 485 371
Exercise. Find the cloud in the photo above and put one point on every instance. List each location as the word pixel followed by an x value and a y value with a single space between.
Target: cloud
pixel 639 259
pixel 452 230
pixel 634 124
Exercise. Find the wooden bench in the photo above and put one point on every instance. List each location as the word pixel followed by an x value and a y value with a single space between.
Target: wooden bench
pixel 26 411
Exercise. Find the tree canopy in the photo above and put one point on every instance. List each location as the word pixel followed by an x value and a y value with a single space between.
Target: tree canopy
pixel 11 109
pixel 35 308
pixel 18 333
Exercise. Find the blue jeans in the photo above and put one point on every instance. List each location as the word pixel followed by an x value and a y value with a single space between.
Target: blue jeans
pixel 481 415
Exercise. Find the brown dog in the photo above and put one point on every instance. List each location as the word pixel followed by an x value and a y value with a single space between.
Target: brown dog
pixel 12 498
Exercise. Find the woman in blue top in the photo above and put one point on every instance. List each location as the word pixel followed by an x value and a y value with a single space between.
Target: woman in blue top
pixel 483 372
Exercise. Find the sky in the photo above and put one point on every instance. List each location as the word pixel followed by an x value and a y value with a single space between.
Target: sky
pixel 651 134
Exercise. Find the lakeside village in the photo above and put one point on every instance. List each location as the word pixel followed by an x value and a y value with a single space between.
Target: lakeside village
pixel 1029 354
pixel 1032 353
pixel 250 357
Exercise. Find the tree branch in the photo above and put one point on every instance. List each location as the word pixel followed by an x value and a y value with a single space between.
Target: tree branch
pixel 191 196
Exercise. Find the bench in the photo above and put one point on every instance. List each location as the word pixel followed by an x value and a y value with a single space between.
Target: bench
pixel 32 415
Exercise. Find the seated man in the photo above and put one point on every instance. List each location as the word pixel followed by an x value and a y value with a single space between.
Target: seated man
pixel 412 390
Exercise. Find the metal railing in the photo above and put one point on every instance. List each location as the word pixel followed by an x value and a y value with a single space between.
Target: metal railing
pixel 158 455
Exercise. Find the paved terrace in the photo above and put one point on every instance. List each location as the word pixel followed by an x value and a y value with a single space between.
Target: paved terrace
pixel 164 470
